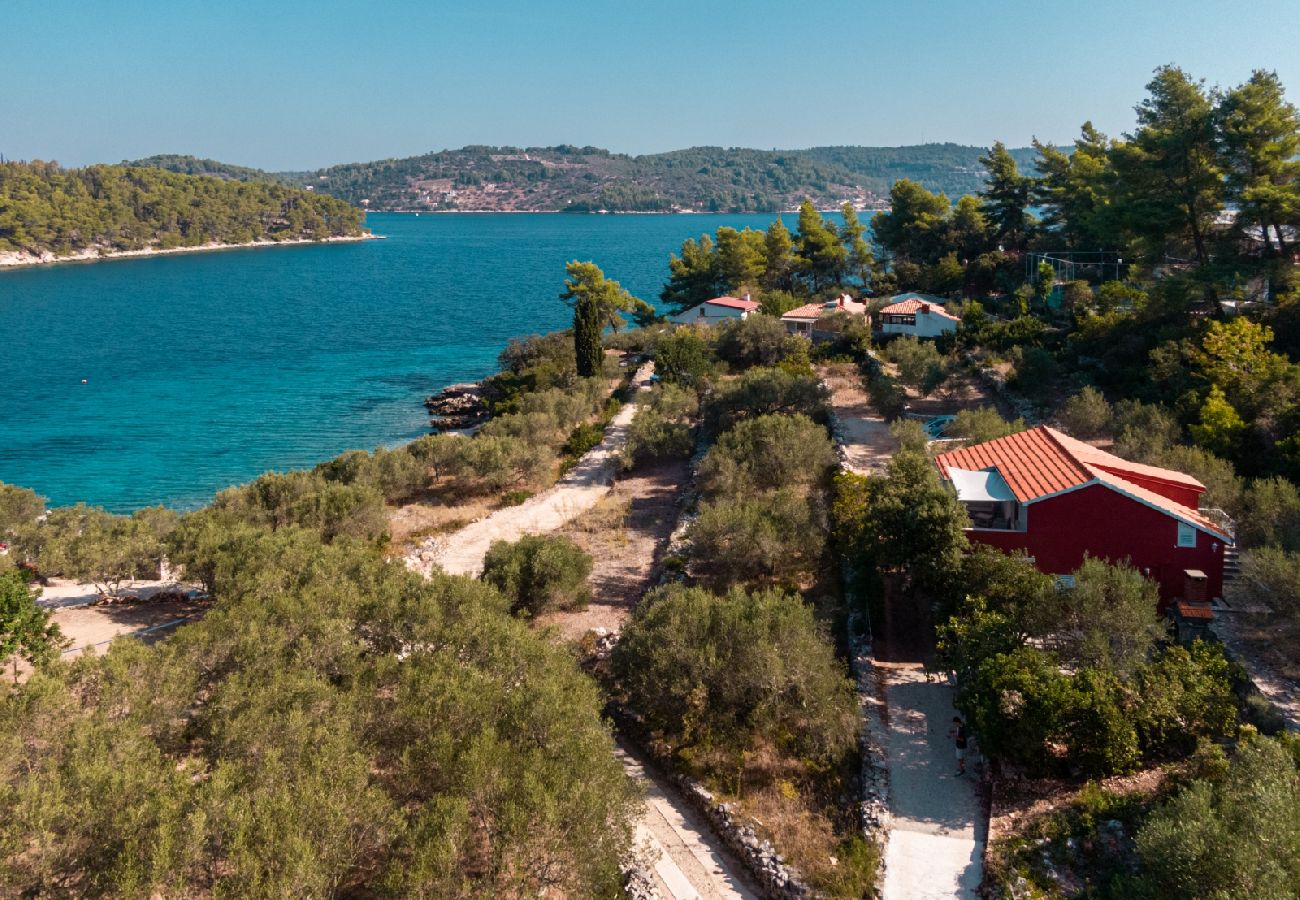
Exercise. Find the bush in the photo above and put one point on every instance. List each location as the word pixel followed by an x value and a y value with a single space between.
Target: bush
pixel 1236 836
pixel 975 426
pixel 910 435
pixel 661 428
pixel 766 453
pixel 761 392
pixel 1271 577
pixel 1143 430
pixel 1086 415
pixel 539 573
pixel 1271 514
pixel 742 669
pixel 887 396
pixel 749 540
pixel 19 508
pixel 754 341
pixel 919 363
pixel 583 438
pixel 1181 696
pixel 683 357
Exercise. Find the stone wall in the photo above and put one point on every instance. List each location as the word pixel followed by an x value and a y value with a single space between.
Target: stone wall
pixel 769 871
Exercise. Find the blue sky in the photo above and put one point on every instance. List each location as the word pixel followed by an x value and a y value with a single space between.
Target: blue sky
pixel 286 84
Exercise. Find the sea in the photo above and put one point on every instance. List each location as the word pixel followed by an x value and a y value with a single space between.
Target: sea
pixel 162 380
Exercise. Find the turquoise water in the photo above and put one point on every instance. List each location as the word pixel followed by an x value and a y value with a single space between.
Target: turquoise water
pixel 205 370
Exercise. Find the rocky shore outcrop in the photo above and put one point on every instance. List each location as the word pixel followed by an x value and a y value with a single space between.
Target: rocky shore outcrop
pixel 455 407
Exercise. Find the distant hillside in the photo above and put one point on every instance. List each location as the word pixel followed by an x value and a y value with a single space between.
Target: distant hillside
pixel 192 165
pixel 46 209
pixel 582 179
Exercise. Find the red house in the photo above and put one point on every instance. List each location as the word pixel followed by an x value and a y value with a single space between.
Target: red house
pixel 1057 499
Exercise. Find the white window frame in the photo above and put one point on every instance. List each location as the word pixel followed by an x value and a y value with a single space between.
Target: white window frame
pixel 1186 536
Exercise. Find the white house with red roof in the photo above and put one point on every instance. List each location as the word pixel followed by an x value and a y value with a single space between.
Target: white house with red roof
pixel 803 319
pixel 719 309
pixel 1059 500
pixel 920 315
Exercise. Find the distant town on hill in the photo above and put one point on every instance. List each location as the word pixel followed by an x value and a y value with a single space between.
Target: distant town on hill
pixel 590 179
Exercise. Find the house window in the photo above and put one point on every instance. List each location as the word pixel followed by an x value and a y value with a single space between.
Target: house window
pixel 1186 535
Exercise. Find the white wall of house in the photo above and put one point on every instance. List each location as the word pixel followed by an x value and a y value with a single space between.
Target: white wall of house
pixel 708 314
pixel 924 325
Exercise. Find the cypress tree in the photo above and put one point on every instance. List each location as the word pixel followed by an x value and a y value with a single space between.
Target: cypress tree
pixel 586 336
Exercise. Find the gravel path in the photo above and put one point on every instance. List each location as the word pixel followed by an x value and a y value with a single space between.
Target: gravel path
pixel 863 436
pixel 937 836
pixel 678 848
pixel 462 553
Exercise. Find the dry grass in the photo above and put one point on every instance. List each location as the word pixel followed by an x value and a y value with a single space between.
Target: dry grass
pixel 802 812
pixel 434 514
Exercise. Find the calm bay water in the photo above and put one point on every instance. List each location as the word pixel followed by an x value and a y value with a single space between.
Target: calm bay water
pixel 205 370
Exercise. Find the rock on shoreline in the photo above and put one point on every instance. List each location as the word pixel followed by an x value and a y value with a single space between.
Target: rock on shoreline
pixel 457 406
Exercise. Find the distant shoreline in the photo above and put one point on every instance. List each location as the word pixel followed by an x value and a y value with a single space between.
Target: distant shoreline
pixel 17 259
pixel 594 212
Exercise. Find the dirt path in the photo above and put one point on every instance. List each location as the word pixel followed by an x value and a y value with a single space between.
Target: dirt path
pixel 462 553
pixel 624 533
pixel 937 835
pixel 1256 640
pixel 677 847
pixel 861 433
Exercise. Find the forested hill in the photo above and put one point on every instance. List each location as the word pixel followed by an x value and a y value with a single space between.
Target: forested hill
pixel 697 179
pixel 45 208
pixel 193 165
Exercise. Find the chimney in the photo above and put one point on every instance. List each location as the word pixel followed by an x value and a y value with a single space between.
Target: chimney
pixel 746 295
pixel 1194 584
pixel 841 303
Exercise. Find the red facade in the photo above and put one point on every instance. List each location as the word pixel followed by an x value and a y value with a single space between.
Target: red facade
pixel 1100 522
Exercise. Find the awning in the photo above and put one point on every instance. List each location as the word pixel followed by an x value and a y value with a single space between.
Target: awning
pixel 983 486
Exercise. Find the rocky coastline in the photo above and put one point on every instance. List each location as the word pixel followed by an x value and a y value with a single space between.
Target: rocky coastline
pixel 457 407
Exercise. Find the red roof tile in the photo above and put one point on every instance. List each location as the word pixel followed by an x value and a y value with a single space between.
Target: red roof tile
pixel 907 307
pixel 1195 611
pixel 1042 461
pixel 734 303
pixel 808 311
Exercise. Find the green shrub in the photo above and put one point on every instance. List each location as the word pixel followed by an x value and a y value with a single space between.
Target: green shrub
pixel 761 392
pixel 683 357
pixel 539 573
pixel 774 537
pixel 514 498
pixel 1182 696
pixel 1236 836
pixel 583 438
pixel 745 668
pixel 766 453
pixel 754 341
pixel 975 426
pixel 1086 415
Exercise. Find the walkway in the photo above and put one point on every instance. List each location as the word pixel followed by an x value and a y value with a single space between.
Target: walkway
pixel 937 835
pixel 462 553
pixel 677 848
pixel 863 436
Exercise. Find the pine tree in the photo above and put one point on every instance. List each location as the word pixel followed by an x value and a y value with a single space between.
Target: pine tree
pixel 778 256
pixel 822 258
pixel 1006 198
pixel 1260 137
pixel 861 262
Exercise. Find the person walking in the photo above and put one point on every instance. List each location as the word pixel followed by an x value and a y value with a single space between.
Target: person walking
pixel 958 733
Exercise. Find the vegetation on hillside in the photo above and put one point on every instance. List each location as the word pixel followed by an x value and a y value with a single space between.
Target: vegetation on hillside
pixel 48 209
pixel 587 179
